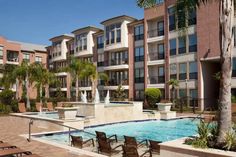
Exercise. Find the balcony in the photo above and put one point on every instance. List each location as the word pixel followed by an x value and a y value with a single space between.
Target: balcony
pixel 12 57
pixel 116 64
pixel 155 33
pixel 156 59
pixel 156 82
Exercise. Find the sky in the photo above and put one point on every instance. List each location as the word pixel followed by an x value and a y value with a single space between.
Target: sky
pixel 36 21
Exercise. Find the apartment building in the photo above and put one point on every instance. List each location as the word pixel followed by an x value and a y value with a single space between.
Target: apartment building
pixel 147 53
pixel 14 52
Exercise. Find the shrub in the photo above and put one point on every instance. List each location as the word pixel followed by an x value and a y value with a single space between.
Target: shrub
pixel 120 94
pixel 233 99
pixel 6 97
pixel 153 96
pixel 230 140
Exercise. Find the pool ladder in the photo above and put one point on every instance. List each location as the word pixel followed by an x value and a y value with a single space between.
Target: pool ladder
pixel 31 122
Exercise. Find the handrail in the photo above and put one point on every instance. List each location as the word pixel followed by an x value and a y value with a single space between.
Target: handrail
pixel 69 127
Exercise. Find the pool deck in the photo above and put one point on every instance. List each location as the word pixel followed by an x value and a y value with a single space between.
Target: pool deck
pixel 12 128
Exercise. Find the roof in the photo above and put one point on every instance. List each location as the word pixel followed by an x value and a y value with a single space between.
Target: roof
pixel 30 46
pixel 66 36
pixel 119 17
pixel 93 28
pixel 98 33
pixel 136 22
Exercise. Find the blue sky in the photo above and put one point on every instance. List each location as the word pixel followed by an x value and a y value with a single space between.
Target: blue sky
pixel 36 21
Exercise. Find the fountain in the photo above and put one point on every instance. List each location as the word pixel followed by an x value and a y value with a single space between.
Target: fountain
pixel 107 98
pixel 83 97
pixel 96 99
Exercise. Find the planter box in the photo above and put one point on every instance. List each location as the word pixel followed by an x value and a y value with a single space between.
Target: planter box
pixel 67 112
pixel 164 106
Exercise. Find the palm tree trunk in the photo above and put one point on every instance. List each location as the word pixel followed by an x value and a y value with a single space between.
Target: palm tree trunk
pixel 94 86
pixel 27 91
pixel 46 92
pixel 17 91
pixel 41 93
pixel 226 23
pixel 76 88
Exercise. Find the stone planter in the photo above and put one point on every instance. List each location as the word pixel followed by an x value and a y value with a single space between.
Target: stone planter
pixel 164 106
pixel 67 112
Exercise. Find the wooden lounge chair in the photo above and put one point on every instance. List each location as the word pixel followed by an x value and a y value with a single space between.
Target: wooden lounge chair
pixel 32 155
pixel 4 145
pixel 131 141
pixel 14 151
pixel 50 106
pixel 102 136
pixel 77 141
pixel 21 107
pixel 104 146
pixel 154 146
pixel 130 151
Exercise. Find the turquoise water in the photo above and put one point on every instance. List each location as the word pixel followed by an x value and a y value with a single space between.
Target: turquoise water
pixel 155 130
pixel 51 115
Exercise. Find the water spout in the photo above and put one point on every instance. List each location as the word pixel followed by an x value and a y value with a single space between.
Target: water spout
pixel 84 97
pixel 97 98
pixel 107 98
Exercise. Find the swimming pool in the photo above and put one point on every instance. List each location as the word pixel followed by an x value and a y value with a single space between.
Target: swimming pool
pixel 158 130
pixel 51 115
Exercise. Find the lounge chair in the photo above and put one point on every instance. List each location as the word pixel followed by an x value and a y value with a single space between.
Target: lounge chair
pixel 21 107
pixel 14 151
pixel 130 151
pixel 104 146
pixel 131 141
pixel 77 141
pixel 102 136
pixel 154 146
pixel 4 145
pixel 50 106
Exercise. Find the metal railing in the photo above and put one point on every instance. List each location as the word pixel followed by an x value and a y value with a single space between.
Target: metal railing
pixel 31 122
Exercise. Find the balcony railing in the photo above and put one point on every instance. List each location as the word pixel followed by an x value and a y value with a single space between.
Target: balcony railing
pixel 155 33
pixel 115 62
pixel 13 59
pixel 156 79
pixel 155 56
pixel 85 84
pixel 114 82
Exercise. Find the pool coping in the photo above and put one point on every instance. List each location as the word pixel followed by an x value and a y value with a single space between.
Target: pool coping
pixel 36 136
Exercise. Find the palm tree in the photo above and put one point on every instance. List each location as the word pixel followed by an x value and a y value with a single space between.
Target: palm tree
pixel 22 74
pixel 226 9
pixel 173 83
pixel 90 71
pixel 8 79
pixel 42 78
pixel 75 67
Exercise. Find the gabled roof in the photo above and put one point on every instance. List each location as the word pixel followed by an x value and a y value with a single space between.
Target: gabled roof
pixel 30 46
pixel 88 28
pixel 63 36
pixel 125 17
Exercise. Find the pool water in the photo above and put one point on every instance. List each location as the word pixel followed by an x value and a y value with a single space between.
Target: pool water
pixel 158 130
pixel 51 115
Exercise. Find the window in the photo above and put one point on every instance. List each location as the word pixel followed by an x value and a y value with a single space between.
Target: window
pixel 1 52
pixel 182 93
pixel 12 56
pixel 160 27
pixel 139 54
pixel 38 59
pixel 139 75
pixel 182 45
pixel 172 47
pixel 139 95
pixel 113 33
pixel 119 58
pixel 81 42
pixel 118 77
pixel 192 20
pixel 234 30
pixel 172 20
pixel 234 68
pixel 138 33
pixel 161 51
pixel 160 1
pixel 192 43
pixel 182 71
pixel 161 75
pixel 193 70
pixel 193 97
pixel 100 60
pixel 100 42
pixel 26 57
pixel 173 71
